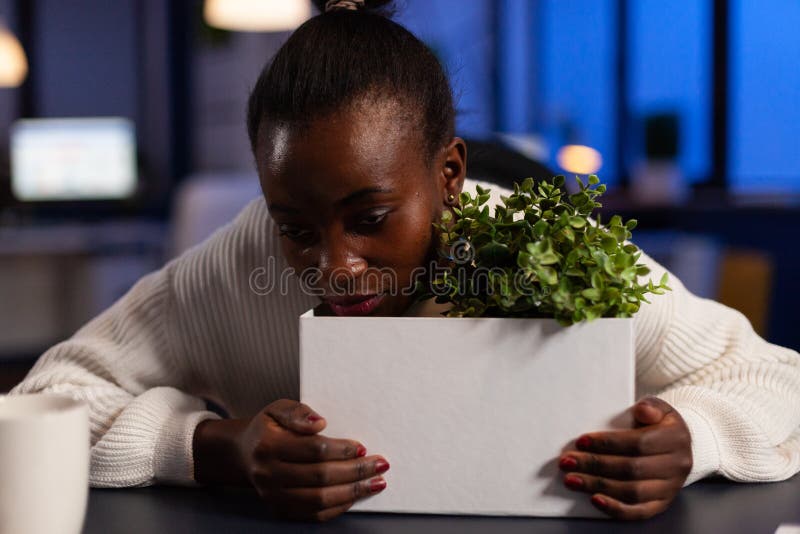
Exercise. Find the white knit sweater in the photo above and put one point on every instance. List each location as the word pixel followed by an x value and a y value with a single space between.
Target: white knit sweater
pixel 195 329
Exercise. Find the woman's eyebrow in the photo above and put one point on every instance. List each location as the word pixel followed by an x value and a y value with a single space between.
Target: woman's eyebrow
pixel 349 199
pixel 281 207
pixel 352 197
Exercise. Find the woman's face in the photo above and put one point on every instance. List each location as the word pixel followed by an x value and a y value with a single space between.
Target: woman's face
pixel 354 197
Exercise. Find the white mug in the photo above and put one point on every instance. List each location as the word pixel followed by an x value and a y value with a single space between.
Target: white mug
pixel 44 464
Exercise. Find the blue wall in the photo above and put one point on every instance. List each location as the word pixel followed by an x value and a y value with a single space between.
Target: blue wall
pixel 548 67
pixel 85 65
pixel 463 41
pixel 669 60
pixel 577 77
pixel 764 132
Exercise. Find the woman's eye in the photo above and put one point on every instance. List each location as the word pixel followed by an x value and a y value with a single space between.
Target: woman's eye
pixel 373 218
pixel 294 233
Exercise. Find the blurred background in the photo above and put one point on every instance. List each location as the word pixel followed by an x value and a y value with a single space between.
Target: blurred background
pixel 123 142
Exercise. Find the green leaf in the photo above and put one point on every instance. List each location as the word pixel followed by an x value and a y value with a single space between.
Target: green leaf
pixel 494 253
pixel 577 222
pixel 579 199
pixel 568 233
pixel 593 179
pixel 592 293
pixel 547 275
pixel 527 185
pixel 619 233
pixel 609 244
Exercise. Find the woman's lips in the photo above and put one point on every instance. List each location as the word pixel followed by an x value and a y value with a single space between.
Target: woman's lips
pixel 354 305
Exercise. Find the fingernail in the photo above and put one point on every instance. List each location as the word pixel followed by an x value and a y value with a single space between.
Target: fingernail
pixel 573 482
pixel 361 451
pixel 313 418
pixel 568 463
pixel 584 442
pixel 599 501
pixel 381 466
pixel 377 484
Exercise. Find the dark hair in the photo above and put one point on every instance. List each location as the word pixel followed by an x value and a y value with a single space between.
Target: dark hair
pixel 338 56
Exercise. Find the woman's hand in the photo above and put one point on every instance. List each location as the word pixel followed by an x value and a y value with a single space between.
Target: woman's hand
pixel 301 474
pixel 633 474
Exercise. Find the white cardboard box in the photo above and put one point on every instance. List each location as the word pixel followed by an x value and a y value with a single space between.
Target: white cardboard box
pixel 471 413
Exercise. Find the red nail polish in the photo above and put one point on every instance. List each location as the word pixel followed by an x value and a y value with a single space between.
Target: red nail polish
pixel 568 463
pixel 377 484
pixel 361 451
pixel 573 482
pixel 599 502
pixel 584 442
pixel 381 466
pixel 313 418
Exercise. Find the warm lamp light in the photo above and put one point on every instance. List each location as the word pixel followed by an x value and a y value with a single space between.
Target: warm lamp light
pixel 579 159
pixel 256 15
pixel 13 63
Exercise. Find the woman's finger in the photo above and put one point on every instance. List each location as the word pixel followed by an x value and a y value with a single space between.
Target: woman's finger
pixel 295 416
pixel 628 512
pixel 644 441
pixel 296 475
pixel 620 467
pixel 333 496
pixel 627 491
pixel 314 449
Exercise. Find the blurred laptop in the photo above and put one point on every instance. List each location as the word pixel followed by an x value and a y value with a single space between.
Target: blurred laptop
pixel 73 159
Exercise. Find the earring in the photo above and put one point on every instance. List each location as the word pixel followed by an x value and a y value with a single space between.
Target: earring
pixel 451 197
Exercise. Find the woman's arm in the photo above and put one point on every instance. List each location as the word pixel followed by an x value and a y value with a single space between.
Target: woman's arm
pixel 738 394
pixel 142 365
pixel 726 403
pixel 121 365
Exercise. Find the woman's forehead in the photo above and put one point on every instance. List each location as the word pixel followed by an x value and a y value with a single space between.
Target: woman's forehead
pixel 347 150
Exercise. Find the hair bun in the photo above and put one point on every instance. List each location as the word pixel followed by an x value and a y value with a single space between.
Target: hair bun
pixel 325 6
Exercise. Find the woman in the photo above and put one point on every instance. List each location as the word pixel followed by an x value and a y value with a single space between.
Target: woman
pixel 352 130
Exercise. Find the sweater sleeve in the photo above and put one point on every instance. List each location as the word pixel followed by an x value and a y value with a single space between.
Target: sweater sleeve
pixel 200 328
pixel 143 382
pixel 738 394
pixel 121 365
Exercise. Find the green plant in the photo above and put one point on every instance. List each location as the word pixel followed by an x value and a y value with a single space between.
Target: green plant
pixel 539 255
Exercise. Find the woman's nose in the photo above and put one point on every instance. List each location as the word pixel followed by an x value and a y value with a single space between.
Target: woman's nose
pixel 340 263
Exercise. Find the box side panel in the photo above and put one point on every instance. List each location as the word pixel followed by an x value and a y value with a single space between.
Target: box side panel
pixel 472 414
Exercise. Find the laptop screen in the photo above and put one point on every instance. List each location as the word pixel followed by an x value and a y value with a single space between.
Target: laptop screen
pixel 73 159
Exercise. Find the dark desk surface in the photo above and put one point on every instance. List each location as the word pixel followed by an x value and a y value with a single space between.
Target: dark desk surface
pixel 709 506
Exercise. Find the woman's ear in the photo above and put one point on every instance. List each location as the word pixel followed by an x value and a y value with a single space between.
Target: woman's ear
pixel 453 171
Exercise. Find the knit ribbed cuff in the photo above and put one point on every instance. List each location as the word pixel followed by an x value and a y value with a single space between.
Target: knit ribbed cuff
pixel 705 450
pixel 173 457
